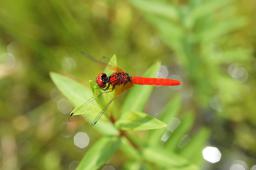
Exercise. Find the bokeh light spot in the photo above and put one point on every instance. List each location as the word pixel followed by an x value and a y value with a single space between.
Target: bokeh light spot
pixel 64 106
pixel 211 154
pixel 68 63
pixel 238 72
pixel 238 165
pixel 81 140
pixel 215 104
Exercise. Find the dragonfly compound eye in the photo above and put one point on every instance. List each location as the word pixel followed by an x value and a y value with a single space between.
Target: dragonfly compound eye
pixel 102 80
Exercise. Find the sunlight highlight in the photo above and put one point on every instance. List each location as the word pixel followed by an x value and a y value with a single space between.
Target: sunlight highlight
pixel 211 154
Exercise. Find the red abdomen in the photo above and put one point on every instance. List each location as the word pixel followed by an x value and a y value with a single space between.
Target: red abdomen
pixel 155 81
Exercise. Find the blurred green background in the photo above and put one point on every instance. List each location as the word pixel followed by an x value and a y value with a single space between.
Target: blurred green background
pixel 208 44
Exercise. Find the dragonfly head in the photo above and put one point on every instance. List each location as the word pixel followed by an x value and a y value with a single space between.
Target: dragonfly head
pixel 102 79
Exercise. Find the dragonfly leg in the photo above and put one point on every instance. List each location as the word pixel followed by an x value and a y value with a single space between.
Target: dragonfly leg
pixel 107 87
pixel 113 88
pixel 108 91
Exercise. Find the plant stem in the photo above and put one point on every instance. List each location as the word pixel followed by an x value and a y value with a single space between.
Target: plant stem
pixel 124 134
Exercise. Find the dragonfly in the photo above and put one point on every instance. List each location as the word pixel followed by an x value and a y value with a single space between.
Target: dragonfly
pixel 120 81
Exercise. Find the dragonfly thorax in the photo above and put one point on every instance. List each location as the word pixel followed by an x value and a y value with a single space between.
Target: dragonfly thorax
pixel 115 79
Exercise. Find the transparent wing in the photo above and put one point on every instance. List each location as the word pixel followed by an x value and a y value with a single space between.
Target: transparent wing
pixel 99 115
pixel 109 67
pixel 91 110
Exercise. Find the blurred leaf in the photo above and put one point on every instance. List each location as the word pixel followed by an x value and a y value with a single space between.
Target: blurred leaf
pixel 170 33
pixel 173 31
pixel 51 161
pixel 180 131
pixel 170 110
pixel 206 8
pixel 132 165
pixel 220 29
pixel 233 55
pixel 138 121
pixel 164 158
pixel 130 150
pixel 158 8
pixel 192 151
pixel 138 95
pixel 76 93
pixel 99 153
pixel 187 167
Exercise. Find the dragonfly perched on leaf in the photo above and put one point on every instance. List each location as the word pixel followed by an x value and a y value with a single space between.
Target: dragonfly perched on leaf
pixel 114 81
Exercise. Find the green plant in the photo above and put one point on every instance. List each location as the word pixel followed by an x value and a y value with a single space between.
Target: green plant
pixel 209 40
pixel 199 33
pixel 144 141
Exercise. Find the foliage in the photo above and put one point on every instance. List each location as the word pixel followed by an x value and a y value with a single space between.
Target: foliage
pixel 208 44
pixel 197 33
pixel 209 41
pixel 151 149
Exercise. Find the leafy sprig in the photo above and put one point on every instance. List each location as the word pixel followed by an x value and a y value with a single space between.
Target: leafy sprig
pixel 119 131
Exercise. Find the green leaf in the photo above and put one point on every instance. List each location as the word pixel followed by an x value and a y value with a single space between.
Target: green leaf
pixel 233 55
pixel 138 95
pixel 193 149
pixel 138 121
pixel 173 31
pixel 164 158
pixel 209 7
pixel 187 167
pixel 76 93
pixel 135 165
pixel 170 110
pixel 99 153
pixel 82 98
pixel 218 30
pixel 180 131
pixel 129 150
pixel 92 108
pixel 158 8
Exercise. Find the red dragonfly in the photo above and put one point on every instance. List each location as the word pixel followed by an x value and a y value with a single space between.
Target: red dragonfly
pixel 120 81
pixel 123 78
